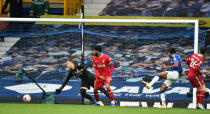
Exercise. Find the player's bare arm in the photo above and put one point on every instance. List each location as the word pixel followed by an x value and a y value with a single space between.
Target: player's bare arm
pixel 204 76
pixel 109 79
pixel 111 69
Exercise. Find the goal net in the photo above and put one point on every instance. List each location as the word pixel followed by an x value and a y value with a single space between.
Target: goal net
pixel 137 47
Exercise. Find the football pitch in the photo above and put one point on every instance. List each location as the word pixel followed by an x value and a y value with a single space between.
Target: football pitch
pixel 88 109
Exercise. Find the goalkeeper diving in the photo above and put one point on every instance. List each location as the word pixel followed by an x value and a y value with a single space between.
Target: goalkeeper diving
pixel 87 80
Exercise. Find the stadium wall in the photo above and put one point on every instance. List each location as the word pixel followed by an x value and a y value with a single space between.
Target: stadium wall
pixel 126 93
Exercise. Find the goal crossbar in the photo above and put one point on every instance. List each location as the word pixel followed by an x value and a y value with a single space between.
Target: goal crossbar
pixel 98 20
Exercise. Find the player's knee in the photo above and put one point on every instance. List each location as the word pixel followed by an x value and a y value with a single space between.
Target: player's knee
pixel 162 89
pixel 203 88
pixel 107 87
pixel 159 74
pixel 83 92
pixel 163 75
pixel 95 90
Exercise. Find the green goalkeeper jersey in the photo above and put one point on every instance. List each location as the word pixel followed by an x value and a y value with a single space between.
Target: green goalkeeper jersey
pixel 40 7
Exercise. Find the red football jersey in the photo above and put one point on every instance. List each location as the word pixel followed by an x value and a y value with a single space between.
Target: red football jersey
pixel 103 66
pixel 194 62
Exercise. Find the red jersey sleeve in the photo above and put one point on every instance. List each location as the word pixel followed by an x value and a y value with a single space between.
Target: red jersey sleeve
pixel 95 68
pixel 110 66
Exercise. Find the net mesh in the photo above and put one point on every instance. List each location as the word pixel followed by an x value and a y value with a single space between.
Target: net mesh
pixel 137 51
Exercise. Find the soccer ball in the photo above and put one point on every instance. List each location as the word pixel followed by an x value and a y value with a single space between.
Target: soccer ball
pixel 26 98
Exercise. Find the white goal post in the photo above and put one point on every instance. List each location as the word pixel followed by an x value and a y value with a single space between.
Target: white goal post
pixel 162 21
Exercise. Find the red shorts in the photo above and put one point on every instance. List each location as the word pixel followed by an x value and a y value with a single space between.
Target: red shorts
pixel 100 83
pixel 196 81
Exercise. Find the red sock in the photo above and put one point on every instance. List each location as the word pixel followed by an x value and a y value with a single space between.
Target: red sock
pixel 200 97
pixel 96 96
pixel 197 96
pixel 110 94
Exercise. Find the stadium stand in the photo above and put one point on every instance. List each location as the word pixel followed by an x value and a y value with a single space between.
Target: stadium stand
pixel 159 8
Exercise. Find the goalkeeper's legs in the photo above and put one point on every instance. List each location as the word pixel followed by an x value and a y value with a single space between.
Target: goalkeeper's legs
pixel 85 95
pixel 103 90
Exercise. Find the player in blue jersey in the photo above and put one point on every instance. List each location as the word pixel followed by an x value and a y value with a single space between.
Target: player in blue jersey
pixel 171 76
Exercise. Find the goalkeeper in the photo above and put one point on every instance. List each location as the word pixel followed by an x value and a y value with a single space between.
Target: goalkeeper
pixel 86 77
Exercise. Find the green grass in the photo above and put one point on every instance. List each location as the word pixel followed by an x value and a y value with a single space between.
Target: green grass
pixel 87 109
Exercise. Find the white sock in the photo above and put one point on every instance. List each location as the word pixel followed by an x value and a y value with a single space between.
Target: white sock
pixel 112 102
pixel 101 103
pixel 155 79
pixel 163 99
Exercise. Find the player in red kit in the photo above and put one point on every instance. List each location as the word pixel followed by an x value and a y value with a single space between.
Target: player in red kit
pixel 103 67
pixel 194 62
